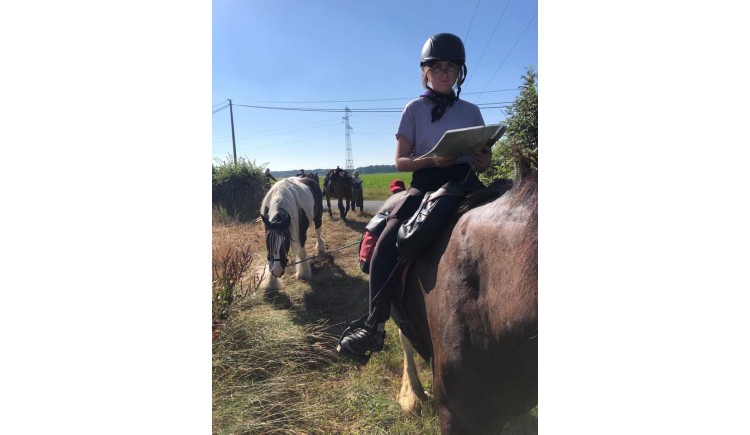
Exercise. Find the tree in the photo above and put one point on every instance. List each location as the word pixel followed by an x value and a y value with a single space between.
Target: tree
pixel 522 133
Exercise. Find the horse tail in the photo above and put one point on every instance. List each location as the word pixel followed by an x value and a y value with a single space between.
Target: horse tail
pixel 525 162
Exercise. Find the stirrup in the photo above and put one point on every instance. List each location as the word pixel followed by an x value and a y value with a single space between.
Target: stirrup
pixel 359 323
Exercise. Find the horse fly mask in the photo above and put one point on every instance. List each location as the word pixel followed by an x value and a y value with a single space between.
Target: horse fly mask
pixel 278 240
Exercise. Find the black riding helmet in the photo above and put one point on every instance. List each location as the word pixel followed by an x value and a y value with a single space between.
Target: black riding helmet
pixel 445 46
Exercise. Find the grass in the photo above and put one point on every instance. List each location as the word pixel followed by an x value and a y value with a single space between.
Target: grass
pixel 376 186
pixel 275 369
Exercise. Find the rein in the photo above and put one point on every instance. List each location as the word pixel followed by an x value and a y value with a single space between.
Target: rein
pixel 320 255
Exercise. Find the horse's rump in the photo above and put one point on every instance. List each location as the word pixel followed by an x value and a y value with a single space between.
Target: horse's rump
pixel 473 302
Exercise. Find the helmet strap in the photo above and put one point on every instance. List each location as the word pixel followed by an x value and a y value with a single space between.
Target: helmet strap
pixel 461 79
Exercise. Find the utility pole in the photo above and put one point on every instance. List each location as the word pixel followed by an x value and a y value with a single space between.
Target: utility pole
pixel 349 166
pixel 231 118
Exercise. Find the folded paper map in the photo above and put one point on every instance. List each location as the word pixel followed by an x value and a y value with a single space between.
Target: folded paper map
pixel 463 140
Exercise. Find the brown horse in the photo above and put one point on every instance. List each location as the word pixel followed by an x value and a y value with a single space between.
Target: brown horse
pixel 472 305
pixel 338 186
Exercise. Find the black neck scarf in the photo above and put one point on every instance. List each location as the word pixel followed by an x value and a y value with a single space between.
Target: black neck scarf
pixel 442 102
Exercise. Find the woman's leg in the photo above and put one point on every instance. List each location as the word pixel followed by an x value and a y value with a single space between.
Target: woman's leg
pixel 384 260
pixel 359 342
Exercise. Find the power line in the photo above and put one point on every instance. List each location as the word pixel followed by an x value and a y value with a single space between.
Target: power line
pixel 274 132
pixel 376 99
pixel 491 35
pixel 220 109
pixel 329 110
pixel 334 101
pixel 302 109
pixel 299 127
pixel 511 50
pixel 466 37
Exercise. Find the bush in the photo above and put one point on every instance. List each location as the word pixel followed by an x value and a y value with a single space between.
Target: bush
pixel 229 264
pixel 238 189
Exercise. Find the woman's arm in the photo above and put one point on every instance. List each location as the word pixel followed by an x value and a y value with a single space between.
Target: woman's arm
pixel 405 162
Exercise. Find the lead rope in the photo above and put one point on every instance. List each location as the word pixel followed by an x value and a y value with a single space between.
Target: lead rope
pixel 327 252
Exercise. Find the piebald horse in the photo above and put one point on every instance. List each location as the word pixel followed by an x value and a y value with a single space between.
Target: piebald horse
pixel 472 304
pixel 286 211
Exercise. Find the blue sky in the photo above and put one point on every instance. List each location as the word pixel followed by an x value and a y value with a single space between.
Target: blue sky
pixel 364 55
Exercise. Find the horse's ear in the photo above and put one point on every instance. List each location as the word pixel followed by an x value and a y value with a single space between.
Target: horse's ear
pixel 265 220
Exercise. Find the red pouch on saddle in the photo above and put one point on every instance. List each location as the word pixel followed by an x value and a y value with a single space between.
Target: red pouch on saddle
pixel 369 239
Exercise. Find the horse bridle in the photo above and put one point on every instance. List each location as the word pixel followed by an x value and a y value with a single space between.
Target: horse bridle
pixel 277 237
pixel 277 241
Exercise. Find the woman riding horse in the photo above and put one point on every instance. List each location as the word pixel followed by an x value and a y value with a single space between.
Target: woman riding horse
pixel 423 122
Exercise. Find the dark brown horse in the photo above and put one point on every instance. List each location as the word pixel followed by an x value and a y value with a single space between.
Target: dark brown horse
pixel 472 303
pixel 338 186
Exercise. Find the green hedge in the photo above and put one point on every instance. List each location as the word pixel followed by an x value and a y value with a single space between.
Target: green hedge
pixel 238 189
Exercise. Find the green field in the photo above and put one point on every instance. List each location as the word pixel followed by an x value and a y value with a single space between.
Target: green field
pixel 376 186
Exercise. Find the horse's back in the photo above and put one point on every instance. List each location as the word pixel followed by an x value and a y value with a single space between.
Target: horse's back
pixel 474 299
pixel 317 195
pixel 341 188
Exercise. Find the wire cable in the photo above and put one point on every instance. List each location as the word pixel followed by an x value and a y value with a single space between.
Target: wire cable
pixel 302 109
pixel 511 51
pixel 491 35
pixel 376 99
pixel 329 110
pixel 466 37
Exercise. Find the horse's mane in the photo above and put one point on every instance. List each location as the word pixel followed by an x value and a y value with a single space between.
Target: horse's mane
pixel 525 170
pixel 286 194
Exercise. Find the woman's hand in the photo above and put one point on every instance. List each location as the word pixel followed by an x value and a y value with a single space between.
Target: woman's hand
pixel 442 162
pixel 482 157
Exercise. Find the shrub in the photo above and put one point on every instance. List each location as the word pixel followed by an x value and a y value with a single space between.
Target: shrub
pixel 238 189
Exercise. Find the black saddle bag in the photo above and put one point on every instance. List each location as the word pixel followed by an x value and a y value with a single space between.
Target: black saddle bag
pixel 416 235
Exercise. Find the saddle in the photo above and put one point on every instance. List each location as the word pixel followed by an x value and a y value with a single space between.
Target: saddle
pixel 417 234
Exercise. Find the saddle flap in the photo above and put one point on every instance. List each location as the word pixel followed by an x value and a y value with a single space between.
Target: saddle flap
pixel 418 233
